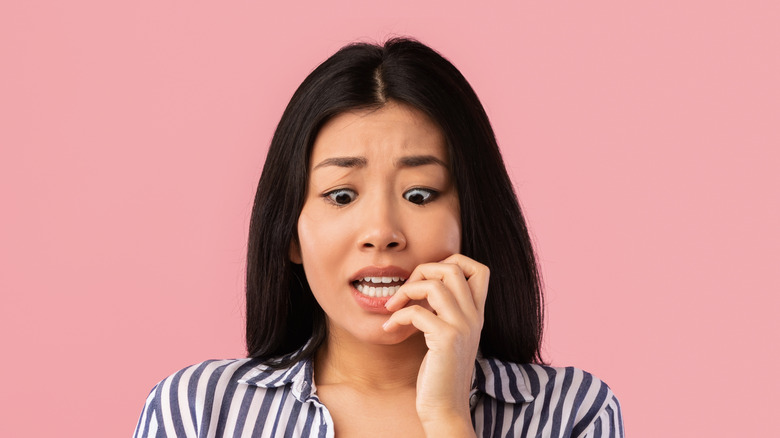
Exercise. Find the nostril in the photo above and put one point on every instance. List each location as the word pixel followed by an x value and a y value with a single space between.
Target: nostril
pixel 382 245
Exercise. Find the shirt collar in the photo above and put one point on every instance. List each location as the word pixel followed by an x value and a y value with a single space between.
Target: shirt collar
pixel 299 375
pixel 503 381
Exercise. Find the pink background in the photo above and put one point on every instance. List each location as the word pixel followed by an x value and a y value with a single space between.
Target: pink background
pixel 642 138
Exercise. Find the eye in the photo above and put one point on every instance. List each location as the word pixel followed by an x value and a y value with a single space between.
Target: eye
pixel 420 196
pixel 341 196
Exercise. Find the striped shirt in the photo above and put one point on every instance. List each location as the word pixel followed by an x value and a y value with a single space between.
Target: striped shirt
pixel 245 398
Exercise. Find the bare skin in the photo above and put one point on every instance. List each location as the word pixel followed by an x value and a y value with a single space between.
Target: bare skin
pixel 418 387
pixel 380 199
pixel 370 394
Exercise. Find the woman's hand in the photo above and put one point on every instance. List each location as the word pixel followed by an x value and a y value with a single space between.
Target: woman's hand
pixel 455 289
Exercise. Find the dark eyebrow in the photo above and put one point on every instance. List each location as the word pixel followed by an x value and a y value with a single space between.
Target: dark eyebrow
pixel 343 162
pixel 419 160
pixel 408 161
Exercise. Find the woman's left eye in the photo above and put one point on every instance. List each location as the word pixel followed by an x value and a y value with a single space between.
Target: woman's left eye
pixel 420 196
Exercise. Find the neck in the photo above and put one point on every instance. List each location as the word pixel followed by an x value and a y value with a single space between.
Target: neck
pixel 342 359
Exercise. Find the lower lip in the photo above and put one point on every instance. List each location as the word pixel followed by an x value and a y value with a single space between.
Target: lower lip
pixel 371 304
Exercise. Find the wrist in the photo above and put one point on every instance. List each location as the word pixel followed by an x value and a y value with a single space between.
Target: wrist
pixel 453 425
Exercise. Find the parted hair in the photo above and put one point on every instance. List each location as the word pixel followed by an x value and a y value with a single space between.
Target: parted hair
pixel 282 314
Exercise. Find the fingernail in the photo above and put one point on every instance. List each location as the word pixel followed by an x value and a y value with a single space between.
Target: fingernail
pixel 386 325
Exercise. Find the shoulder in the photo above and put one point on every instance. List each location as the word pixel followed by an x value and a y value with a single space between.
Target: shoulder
pixel 189 400
pixel 565 401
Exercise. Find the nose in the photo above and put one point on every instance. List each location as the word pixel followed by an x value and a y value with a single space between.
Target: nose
pixel 381 229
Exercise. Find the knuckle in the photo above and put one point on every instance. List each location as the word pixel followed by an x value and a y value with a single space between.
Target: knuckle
pixel 415 309
pixel 461 258
pixel 432 286
pixel 453 269
pixel 438 286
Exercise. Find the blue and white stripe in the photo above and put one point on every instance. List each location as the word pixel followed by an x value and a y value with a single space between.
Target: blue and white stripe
pixel 244 398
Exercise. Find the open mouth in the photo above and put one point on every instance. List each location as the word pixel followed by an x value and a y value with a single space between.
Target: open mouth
pixel 378 286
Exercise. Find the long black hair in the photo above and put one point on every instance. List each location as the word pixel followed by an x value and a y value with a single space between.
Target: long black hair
pixel 282 314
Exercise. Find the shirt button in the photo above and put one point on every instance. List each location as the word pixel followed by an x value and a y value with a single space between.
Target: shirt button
pixel 473 400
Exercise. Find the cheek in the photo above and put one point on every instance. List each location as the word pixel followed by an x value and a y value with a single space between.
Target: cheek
pixel 309 234
pixel 452 236
pixel 443 234
pixel 319 240
pixel 452 226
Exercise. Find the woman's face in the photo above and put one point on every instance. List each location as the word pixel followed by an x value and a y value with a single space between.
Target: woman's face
pixel 380 200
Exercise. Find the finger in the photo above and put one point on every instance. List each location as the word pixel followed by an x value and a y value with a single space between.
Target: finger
pixel 441 300
pixel 420 318
pixel 452 276
pixel 477 275
pixel 449 274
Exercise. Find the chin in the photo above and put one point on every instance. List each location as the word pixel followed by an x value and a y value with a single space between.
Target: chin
pixel 378 336
pixel 398 337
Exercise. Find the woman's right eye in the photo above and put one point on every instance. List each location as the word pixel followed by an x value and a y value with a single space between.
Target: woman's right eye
pixel 341 196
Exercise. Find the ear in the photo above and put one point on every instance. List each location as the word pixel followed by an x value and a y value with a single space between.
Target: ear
pixel 295 251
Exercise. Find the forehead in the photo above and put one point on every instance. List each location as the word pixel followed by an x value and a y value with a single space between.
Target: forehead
pixel 392 130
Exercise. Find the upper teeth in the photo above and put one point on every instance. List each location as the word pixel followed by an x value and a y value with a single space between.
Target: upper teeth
pixel 382 279
pixel 383 288
pixel 387 291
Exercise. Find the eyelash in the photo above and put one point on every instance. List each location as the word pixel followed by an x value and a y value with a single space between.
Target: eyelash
pixel 330 196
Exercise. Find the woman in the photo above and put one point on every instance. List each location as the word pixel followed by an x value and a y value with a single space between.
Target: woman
pixel 392 288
